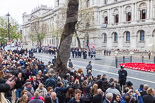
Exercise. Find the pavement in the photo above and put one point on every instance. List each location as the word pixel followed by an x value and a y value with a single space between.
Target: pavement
pixel 107 66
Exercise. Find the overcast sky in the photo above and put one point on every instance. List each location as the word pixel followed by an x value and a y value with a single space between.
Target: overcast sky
pixel 17 7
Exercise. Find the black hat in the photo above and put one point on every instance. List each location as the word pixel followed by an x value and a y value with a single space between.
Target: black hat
pixel 122 66
pixel 128 83
pixel 27 83
pixel 89 61
pixel 141 86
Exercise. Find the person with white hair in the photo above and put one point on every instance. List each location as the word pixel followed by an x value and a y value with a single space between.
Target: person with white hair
pixel 54 98
pixel 108 98
pixel 112 89
pixel 99 97
pixel 36 98
pixel 42 91
pixel 146 86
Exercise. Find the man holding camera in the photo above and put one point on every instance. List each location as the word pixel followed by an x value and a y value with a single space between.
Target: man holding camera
pixel 6 85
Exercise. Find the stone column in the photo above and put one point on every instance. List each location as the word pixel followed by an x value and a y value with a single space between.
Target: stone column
pixel 109 14
pixel 123 15
pixel 120 13
pixel 136 16
pixel 148 10
pixel 133 12
pixel 151 9
pixel 99 16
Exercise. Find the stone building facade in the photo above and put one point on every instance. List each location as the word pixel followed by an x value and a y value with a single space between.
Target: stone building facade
pixel 106 24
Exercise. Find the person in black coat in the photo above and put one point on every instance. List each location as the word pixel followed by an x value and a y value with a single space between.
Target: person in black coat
pixel 61 92
pixel 19 84
pixel 99 98
pixel 73 52
pixel 149 97
pixel 122 76
pixel 77 97
pixel 70 64
pixel 144 90
pixel 35 83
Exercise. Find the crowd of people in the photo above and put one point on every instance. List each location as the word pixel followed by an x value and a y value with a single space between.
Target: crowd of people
pixel 77 53
pixel 29 80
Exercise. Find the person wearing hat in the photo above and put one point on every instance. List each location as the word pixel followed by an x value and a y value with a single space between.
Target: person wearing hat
pixel 70 64
pixel 122 76
pixel 89 67
pixel 28 87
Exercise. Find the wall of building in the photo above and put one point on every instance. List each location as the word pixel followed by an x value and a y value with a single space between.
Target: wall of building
pixel 97 29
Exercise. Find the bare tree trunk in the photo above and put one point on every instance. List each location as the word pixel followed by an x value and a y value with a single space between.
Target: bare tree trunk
pixel 66 37
pixel 78 40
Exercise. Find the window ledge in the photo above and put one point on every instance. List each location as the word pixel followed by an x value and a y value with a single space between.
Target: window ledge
pixel 127 22
pixel 141 20
pixel 127 41
pixel 141 41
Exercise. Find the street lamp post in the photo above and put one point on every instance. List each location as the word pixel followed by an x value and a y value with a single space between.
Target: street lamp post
pixel 8 27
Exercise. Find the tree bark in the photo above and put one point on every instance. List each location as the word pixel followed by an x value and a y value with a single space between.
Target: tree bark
pixel 63 53
pixel 78 40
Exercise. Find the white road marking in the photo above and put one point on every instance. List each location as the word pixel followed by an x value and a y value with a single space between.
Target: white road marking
pixel 48 56
pixel 110 72
pixel 117 74
pixel 115 67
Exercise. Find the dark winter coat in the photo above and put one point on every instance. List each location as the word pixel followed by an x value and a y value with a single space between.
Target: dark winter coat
pixel 73 101
pixel 148 99
pixel 19 83
pixel 61 92
pixel 4 87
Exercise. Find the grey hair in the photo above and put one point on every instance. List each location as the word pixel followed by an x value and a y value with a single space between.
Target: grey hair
pixel 53 93
pixel 109 95
pixel 146 86
pixel 99 91
pixel 36 94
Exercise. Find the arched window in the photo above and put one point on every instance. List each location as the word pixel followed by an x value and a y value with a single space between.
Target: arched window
pixel 116 17
pixel 105 37
pixel 128 36
pixel 105 17
pixel 106 20
pixel 115 37
pixel 128 16
pixel 143 10
pixel 142 35
pixel 143 14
